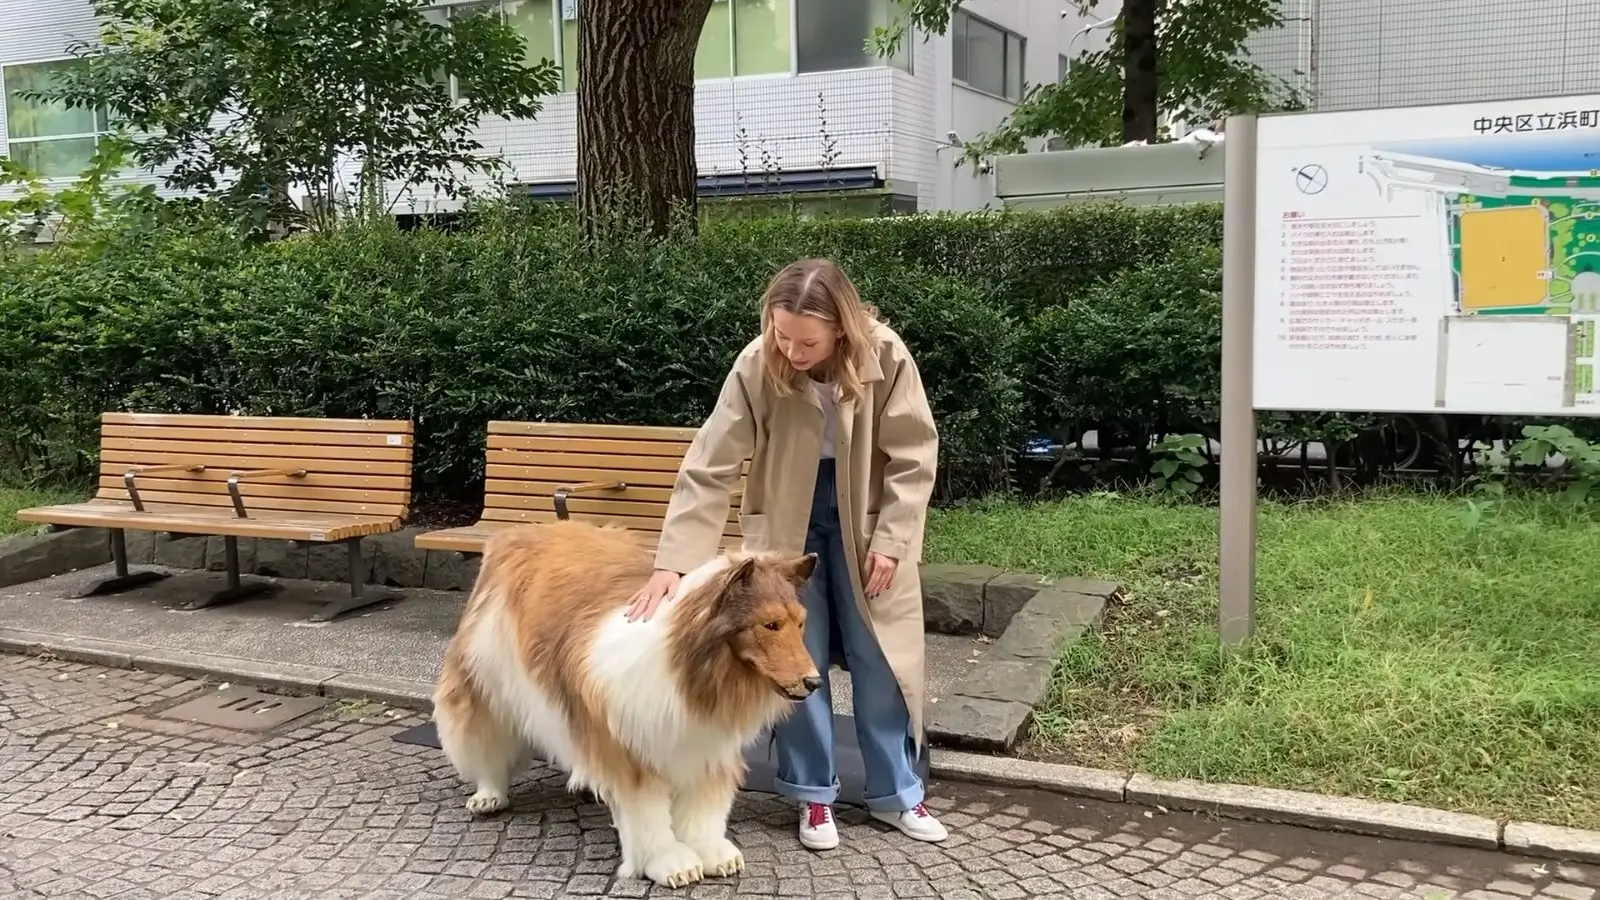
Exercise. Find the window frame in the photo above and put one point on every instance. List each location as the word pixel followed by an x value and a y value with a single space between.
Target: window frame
pixel 102 119
pixel 733 45
pixel 558 8
pixel 907 43
pixel 961 62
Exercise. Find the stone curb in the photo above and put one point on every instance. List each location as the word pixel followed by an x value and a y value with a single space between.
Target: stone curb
pixel 31 557
pixel 989 709
pixel 1232 801
pixel 316 680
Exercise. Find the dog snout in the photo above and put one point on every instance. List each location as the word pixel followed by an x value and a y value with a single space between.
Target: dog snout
pixel 811 682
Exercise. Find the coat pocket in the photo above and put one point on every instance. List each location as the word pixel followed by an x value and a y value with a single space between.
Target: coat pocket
pixel 753 526
pixel 869 526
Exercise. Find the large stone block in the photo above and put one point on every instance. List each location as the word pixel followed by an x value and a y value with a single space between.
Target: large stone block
pixel 1043 626
pixel 1006 594
pixel 952 597
pixel 446 571
pixel 397 561
pixel 141 547
pixel 31 557
pixel 217 554
pixel 181 552
pixel 331 561
pixel 280 559
pixel 1014 680
pixel 971 723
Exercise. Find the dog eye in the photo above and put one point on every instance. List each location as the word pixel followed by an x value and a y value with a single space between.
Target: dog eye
pixel 774 626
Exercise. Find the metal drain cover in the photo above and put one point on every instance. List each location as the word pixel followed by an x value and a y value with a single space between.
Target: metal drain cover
pixel 243 709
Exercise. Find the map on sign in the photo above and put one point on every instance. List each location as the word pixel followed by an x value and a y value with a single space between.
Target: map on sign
pixel 1437 258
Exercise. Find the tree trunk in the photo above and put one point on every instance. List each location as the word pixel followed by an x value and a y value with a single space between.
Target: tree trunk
pixel 636 108
pixel 1141 86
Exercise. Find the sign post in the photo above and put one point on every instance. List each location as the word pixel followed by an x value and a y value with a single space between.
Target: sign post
pixel 1237 575
pixel 1430 259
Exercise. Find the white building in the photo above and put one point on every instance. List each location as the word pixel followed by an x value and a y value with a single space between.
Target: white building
pixel 786 92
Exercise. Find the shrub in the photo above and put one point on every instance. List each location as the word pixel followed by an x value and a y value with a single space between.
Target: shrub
pixel 510 318
pixel 1101 317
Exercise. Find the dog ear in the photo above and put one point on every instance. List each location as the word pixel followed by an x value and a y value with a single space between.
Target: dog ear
pixel 799 569
pixel 741 572
pixel 737 576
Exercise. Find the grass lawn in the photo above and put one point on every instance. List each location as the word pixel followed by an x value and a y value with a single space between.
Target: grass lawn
pixel 12 500
pixel 1400 654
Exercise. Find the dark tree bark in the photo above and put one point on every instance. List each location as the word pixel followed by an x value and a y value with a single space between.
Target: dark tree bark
pixel 636 107
pixel 1141 85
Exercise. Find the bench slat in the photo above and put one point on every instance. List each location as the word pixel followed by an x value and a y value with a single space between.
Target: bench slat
pixel 470 538
pixel 355 467
pixel 600 503
pixel 196 520
pixel 115 462
pixel 222 447
pixel 579 430
pixel 517 488
pixel 300 437
pixel 254 502
pixel 586 461
pixel 273 423
pixel 527 462
pixel 608 446
pixel 333 488
pixel 586 503
pixel 633 523
pixel 564 475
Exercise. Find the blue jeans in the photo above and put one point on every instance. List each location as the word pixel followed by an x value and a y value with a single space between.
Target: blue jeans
pixel 804 741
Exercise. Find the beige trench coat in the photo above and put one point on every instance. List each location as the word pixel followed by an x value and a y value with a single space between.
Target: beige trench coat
pixel 886 446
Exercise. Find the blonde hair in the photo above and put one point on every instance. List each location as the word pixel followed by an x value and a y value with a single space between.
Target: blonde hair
pixel 818 288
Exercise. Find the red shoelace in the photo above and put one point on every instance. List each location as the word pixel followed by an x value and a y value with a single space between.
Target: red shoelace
pixel 817 815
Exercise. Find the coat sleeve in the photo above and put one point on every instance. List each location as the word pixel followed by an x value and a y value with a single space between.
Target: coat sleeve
pixel 692 531
pixel 909 439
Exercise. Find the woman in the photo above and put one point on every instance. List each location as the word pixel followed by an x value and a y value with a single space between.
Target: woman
pixel 829 408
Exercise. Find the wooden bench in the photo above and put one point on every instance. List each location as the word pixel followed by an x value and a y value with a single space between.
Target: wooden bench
pixel 308 481
pixel 549 471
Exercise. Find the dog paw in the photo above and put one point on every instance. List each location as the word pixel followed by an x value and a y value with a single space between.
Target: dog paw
pixel 485 802
pixel 674 867
pixel 721 858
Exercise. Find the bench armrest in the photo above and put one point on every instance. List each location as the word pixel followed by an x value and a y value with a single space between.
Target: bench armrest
pixel 235 477
pixel 566 490
pixel 130 478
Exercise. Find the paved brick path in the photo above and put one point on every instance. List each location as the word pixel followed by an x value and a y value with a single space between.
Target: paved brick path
pixel 96 802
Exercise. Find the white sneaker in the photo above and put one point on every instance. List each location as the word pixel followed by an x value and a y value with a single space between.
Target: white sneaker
pixel 817 828
pixel 916 822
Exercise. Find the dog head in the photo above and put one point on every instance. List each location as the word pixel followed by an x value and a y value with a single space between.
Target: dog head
pixel 758 613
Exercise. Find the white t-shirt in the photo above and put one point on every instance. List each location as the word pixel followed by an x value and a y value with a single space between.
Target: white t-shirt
pixel 830 415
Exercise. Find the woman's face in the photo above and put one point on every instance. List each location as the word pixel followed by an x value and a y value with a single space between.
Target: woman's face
pixel 806 340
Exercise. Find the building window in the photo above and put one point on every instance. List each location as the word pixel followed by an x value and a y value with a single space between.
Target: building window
pixel 51 140
pixel 546 36
pixel 832 35
pixel 745 37
pixel 986 57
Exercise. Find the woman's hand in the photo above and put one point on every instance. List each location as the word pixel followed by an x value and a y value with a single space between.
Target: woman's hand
pixel 880 572
pixel 643 604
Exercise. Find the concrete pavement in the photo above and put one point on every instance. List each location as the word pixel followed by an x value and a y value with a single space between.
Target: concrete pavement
pixel 103 795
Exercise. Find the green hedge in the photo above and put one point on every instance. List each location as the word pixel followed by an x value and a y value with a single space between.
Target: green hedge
pixel 1024 324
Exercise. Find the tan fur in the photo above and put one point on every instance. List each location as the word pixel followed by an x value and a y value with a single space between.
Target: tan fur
pixel 733 648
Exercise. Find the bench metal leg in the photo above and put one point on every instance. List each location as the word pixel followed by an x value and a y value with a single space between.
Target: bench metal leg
pixel 361 593
pixel 237 588
pixel 124 579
